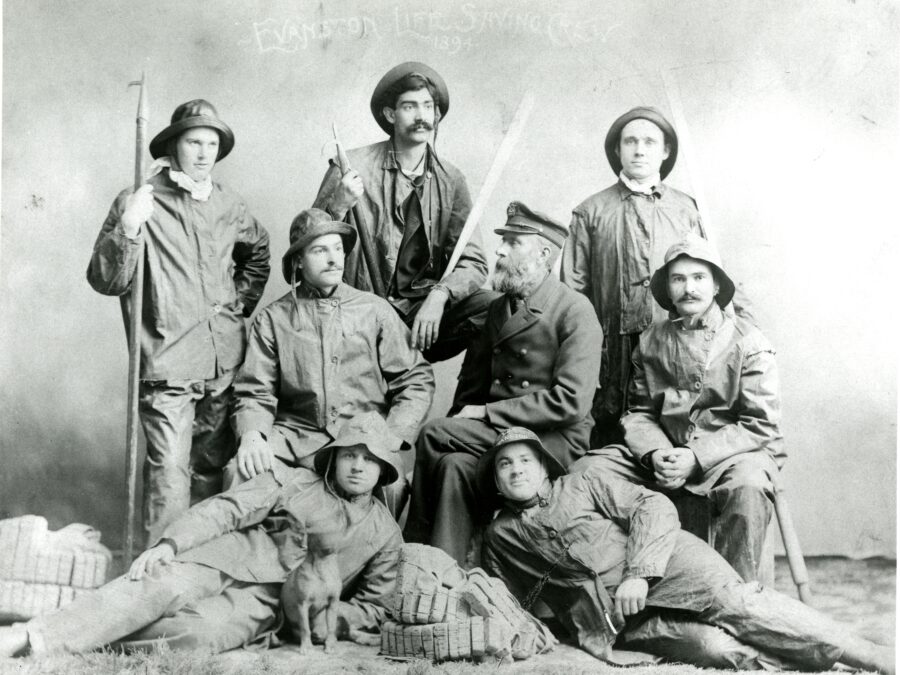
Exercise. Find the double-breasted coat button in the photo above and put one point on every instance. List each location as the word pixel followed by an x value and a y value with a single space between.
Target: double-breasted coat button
pixel 523 352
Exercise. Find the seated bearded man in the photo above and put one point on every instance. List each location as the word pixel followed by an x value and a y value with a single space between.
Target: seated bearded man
pixel 609 558
pixel 214 578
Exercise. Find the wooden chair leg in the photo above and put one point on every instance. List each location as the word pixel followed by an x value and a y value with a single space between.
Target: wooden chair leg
pixel 792 546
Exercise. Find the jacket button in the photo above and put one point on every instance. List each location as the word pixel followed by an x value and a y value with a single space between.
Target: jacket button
pixel 390 298
pixel 523 351
pixel 334 359
pixel 497 380
pixel 525 384
pixel 697 386
pixel 646 283
pixel 552 534
pixel 334 303
pixel 496 350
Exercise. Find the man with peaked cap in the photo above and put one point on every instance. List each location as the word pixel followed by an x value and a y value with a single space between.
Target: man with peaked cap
pixel 704 407
pixel 535 364
pixel 321 355
pixel 214 578
pixel 617 238
pixel 414 205
pixel 206 262
pixel 608 557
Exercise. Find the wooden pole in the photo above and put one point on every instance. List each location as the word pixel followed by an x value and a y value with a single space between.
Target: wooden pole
pixel 362 228
pixel 134 312
pixel 499 163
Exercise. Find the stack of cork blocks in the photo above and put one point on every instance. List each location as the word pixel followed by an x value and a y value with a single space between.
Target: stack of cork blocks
pixel 442 613
pixel 41 570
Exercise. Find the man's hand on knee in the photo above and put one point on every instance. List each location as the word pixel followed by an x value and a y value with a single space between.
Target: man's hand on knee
pixel 255 455
pixel 150 560
pixel 631 597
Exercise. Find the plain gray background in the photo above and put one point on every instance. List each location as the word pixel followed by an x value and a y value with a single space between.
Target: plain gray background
pixel 791 109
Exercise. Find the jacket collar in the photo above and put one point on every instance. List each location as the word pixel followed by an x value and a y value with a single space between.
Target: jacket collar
pixel 713 318
pixel 389 161
pixel 625 192
pixel 530 310
pixel 305 292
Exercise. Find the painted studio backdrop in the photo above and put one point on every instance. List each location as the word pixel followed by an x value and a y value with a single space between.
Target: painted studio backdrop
pixel 787 111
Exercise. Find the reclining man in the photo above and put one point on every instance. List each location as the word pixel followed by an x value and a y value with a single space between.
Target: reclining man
pixel 415 206
pixel 609 558
pixel 536 363
pixel 320 355
pixel 213 580
pixel 704 406
pixel 207 262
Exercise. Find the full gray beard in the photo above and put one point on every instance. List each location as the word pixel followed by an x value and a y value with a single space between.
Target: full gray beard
pixel 519 280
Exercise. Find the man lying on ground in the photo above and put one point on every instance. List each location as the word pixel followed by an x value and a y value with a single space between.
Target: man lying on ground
pixel 609 558
pixel 213 580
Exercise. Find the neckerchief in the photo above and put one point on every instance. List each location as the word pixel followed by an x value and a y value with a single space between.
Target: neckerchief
pixel 647 188
pixel 199 191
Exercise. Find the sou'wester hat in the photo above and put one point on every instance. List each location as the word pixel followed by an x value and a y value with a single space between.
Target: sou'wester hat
pixel 196 113
pixel 487 486
pixel 370 430
pixel 308 226
pixel 379 96
pixel 651 115
pixel 696 247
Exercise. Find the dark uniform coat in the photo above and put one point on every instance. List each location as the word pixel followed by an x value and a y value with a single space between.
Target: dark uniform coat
pixel 536 368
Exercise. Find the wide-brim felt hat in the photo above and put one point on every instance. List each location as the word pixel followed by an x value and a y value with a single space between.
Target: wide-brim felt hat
pixel 379 95
pixel 484 471
pixel 696 247
pixel 370 430
pixel 196 113
pixel 310 225
pixel 651 115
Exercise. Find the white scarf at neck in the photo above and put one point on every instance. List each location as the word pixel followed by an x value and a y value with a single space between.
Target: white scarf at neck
pixel 646 188
pixel 198 191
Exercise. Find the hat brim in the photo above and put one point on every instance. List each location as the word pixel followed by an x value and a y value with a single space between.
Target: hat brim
pixel 487 486
pixel 389 473
pixel 226 136
pixel 347 232
pixel 659 285
pixel 379 100
pixel 615 131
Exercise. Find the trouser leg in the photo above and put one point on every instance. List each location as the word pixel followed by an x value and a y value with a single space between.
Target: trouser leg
pixel 459 324
pixel 213 440
pixel 778 624
pixel 121 607
pixel 444 501
pixel 167 416
pixel 610 400
pixel 226 620
pixel 677 635
pixel 743 499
